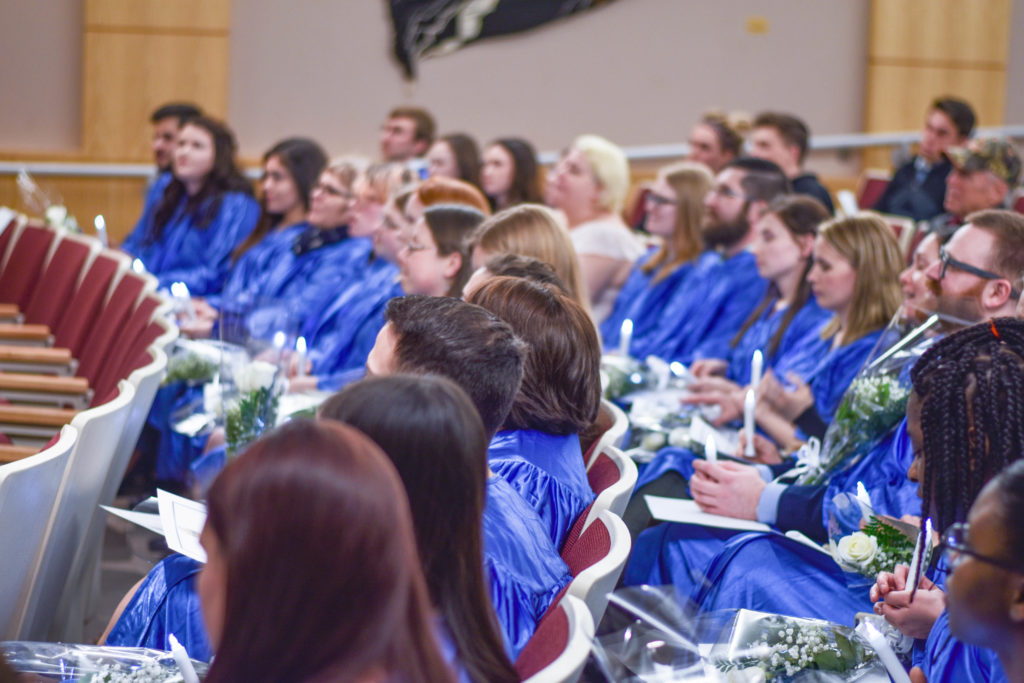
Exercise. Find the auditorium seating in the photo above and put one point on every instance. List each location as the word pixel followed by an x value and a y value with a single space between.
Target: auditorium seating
pixel 871 186
pixel 610 429
pixel 559 647
pixel 596 561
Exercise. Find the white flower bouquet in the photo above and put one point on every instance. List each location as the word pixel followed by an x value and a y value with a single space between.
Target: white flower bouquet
pixel 53 211
pixel 94 664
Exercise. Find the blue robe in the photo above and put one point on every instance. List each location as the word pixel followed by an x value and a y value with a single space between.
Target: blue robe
pixel 294 284
pixel 342 333
pixel 643 301
pixel 836 371
pixel 702 317
pixel 199 257
pixel 548 472
pixel 165 603
pixel 947 659
pixel 522 567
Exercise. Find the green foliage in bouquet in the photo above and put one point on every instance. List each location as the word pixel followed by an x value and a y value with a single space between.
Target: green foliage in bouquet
pixel 191 368
pixel 245 420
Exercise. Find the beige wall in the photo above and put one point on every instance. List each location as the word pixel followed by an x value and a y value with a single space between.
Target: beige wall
pixel 639 71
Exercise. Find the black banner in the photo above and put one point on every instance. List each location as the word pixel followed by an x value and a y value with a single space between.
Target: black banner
pixel 437 26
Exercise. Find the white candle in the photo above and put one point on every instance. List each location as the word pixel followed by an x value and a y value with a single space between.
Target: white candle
pixel 279 340
pixel 916 570
pixel 101 229
pixel 749 403
pixel 885 654
pixel 188 672
pixel 625 337
pixel 710 449
pixel 179 290
pixel 864 500
pixel 300 357
pixel 138 266
pixel 756 369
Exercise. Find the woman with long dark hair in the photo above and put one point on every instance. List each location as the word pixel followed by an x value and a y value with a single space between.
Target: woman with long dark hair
pixel 433 435
pixel 509 175
pixel 455 156
pixel 206 211
pixel 312 572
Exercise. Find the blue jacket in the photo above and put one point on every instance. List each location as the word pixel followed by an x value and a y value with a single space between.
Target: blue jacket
pixel 199 257
pixel 947 659
pixel 522 567
pixel 548 471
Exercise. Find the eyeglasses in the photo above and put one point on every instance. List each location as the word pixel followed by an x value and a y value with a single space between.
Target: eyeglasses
pixel 948 261
pixel 954 547
pixel 726 191
pixel 334 192
pixel 659 199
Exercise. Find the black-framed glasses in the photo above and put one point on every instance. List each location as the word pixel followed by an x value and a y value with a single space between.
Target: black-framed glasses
pixel 954 546
pixel 726 191
pixel 948 261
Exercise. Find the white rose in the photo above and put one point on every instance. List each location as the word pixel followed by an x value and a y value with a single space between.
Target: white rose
pixel 56 214
pixel 653 441
pixel 858 548
pixel 257 375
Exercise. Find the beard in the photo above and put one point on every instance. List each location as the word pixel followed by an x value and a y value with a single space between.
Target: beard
pixel 964 309
pixel 723 233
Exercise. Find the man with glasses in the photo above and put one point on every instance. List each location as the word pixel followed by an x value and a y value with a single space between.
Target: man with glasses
pixel 984 173
pixel 978 274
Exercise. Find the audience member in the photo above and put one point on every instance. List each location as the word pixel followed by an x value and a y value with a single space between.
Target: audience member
pixel 783 138
pixel 430 430
pixel 700 319
pixel 717 139
pixel 312 570
pixel 514 265
pixel 918 187
pixel 167 121
pixel 531 230
pixel 407 134
pixel 454 156
pixel 538 449
pixel 435 259
pixel 592 180
pixel 675 209
pixel 205 211
pixel 509 175
pixel 438 190
pixel 984 173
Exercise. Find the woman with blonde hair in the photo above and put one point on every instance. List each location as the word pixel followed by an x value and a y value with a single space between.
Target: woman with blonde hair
pixel 674 205
pixel 531 230
pixel 589 185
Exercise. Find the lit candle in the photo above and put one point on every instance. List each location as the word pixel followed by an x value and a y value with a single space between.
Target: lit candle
pixel 625 337
pixel 101 229
pixel 885 653
pixel 749 403
pixel 920 551
pixel 300 357
pixel 756 368
pixel 138 266
pixel 710 449
pixel 188 672
pixel 179 290
pixel 864 500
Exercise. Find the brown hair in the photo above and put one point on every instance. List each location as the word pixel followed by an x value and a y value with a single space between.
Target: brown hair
pixel 439 190
pixel 801 215
pixel 1007 227
pixel 561 389
pixel 868 243
pixel 792 130
pixel 690 182
pixel 299 517
pixel 429 428
pixel 730 129
pixel 451 225
pixel 425 126
pixel 533 230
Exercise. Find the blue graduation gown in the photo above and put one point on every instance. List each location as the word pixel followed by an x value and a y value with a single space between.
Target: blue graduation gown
pixel 798 351
pixel 643 301
pixel 199 257
pixel 548 472
pixel 241 287
pixel 836 371
pixel 703 316
pixel 947 659
pixel 165 603
pixel 522 567
pixel 342 333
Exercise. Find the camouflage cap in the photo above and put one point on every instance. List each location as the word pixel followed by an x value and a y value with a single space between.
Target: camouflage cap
pixel 988 154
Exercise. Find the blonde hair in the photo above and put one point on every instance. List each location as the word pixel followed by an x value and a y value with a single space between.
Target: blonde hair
pixel 690 181
pixel 347 169
pixel 610 168
pixel 868 243
pixel 533 230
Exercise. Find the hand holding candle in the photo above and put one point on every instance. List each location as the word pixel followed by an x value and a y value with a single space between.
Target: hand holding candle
pixel 749 404
pixel 710 449
pixel 179 290
pixel 300 357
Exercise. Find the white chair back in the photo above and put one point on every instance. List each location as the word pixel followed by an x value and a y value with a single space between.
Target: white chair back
pixel 615 498
pixel 596 582
pixel 615 434
pixel 98 431
pixel 568 666
pixel 28 492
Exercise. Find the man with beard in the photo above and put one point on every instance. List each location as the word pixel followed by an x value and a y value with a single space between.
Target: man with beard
pixel 710 306
pixel 979 271
pixel 984 173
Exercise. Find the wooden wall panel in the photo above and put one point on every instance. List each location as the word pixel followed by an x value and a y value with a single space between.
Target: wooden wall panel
pixel 188 15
